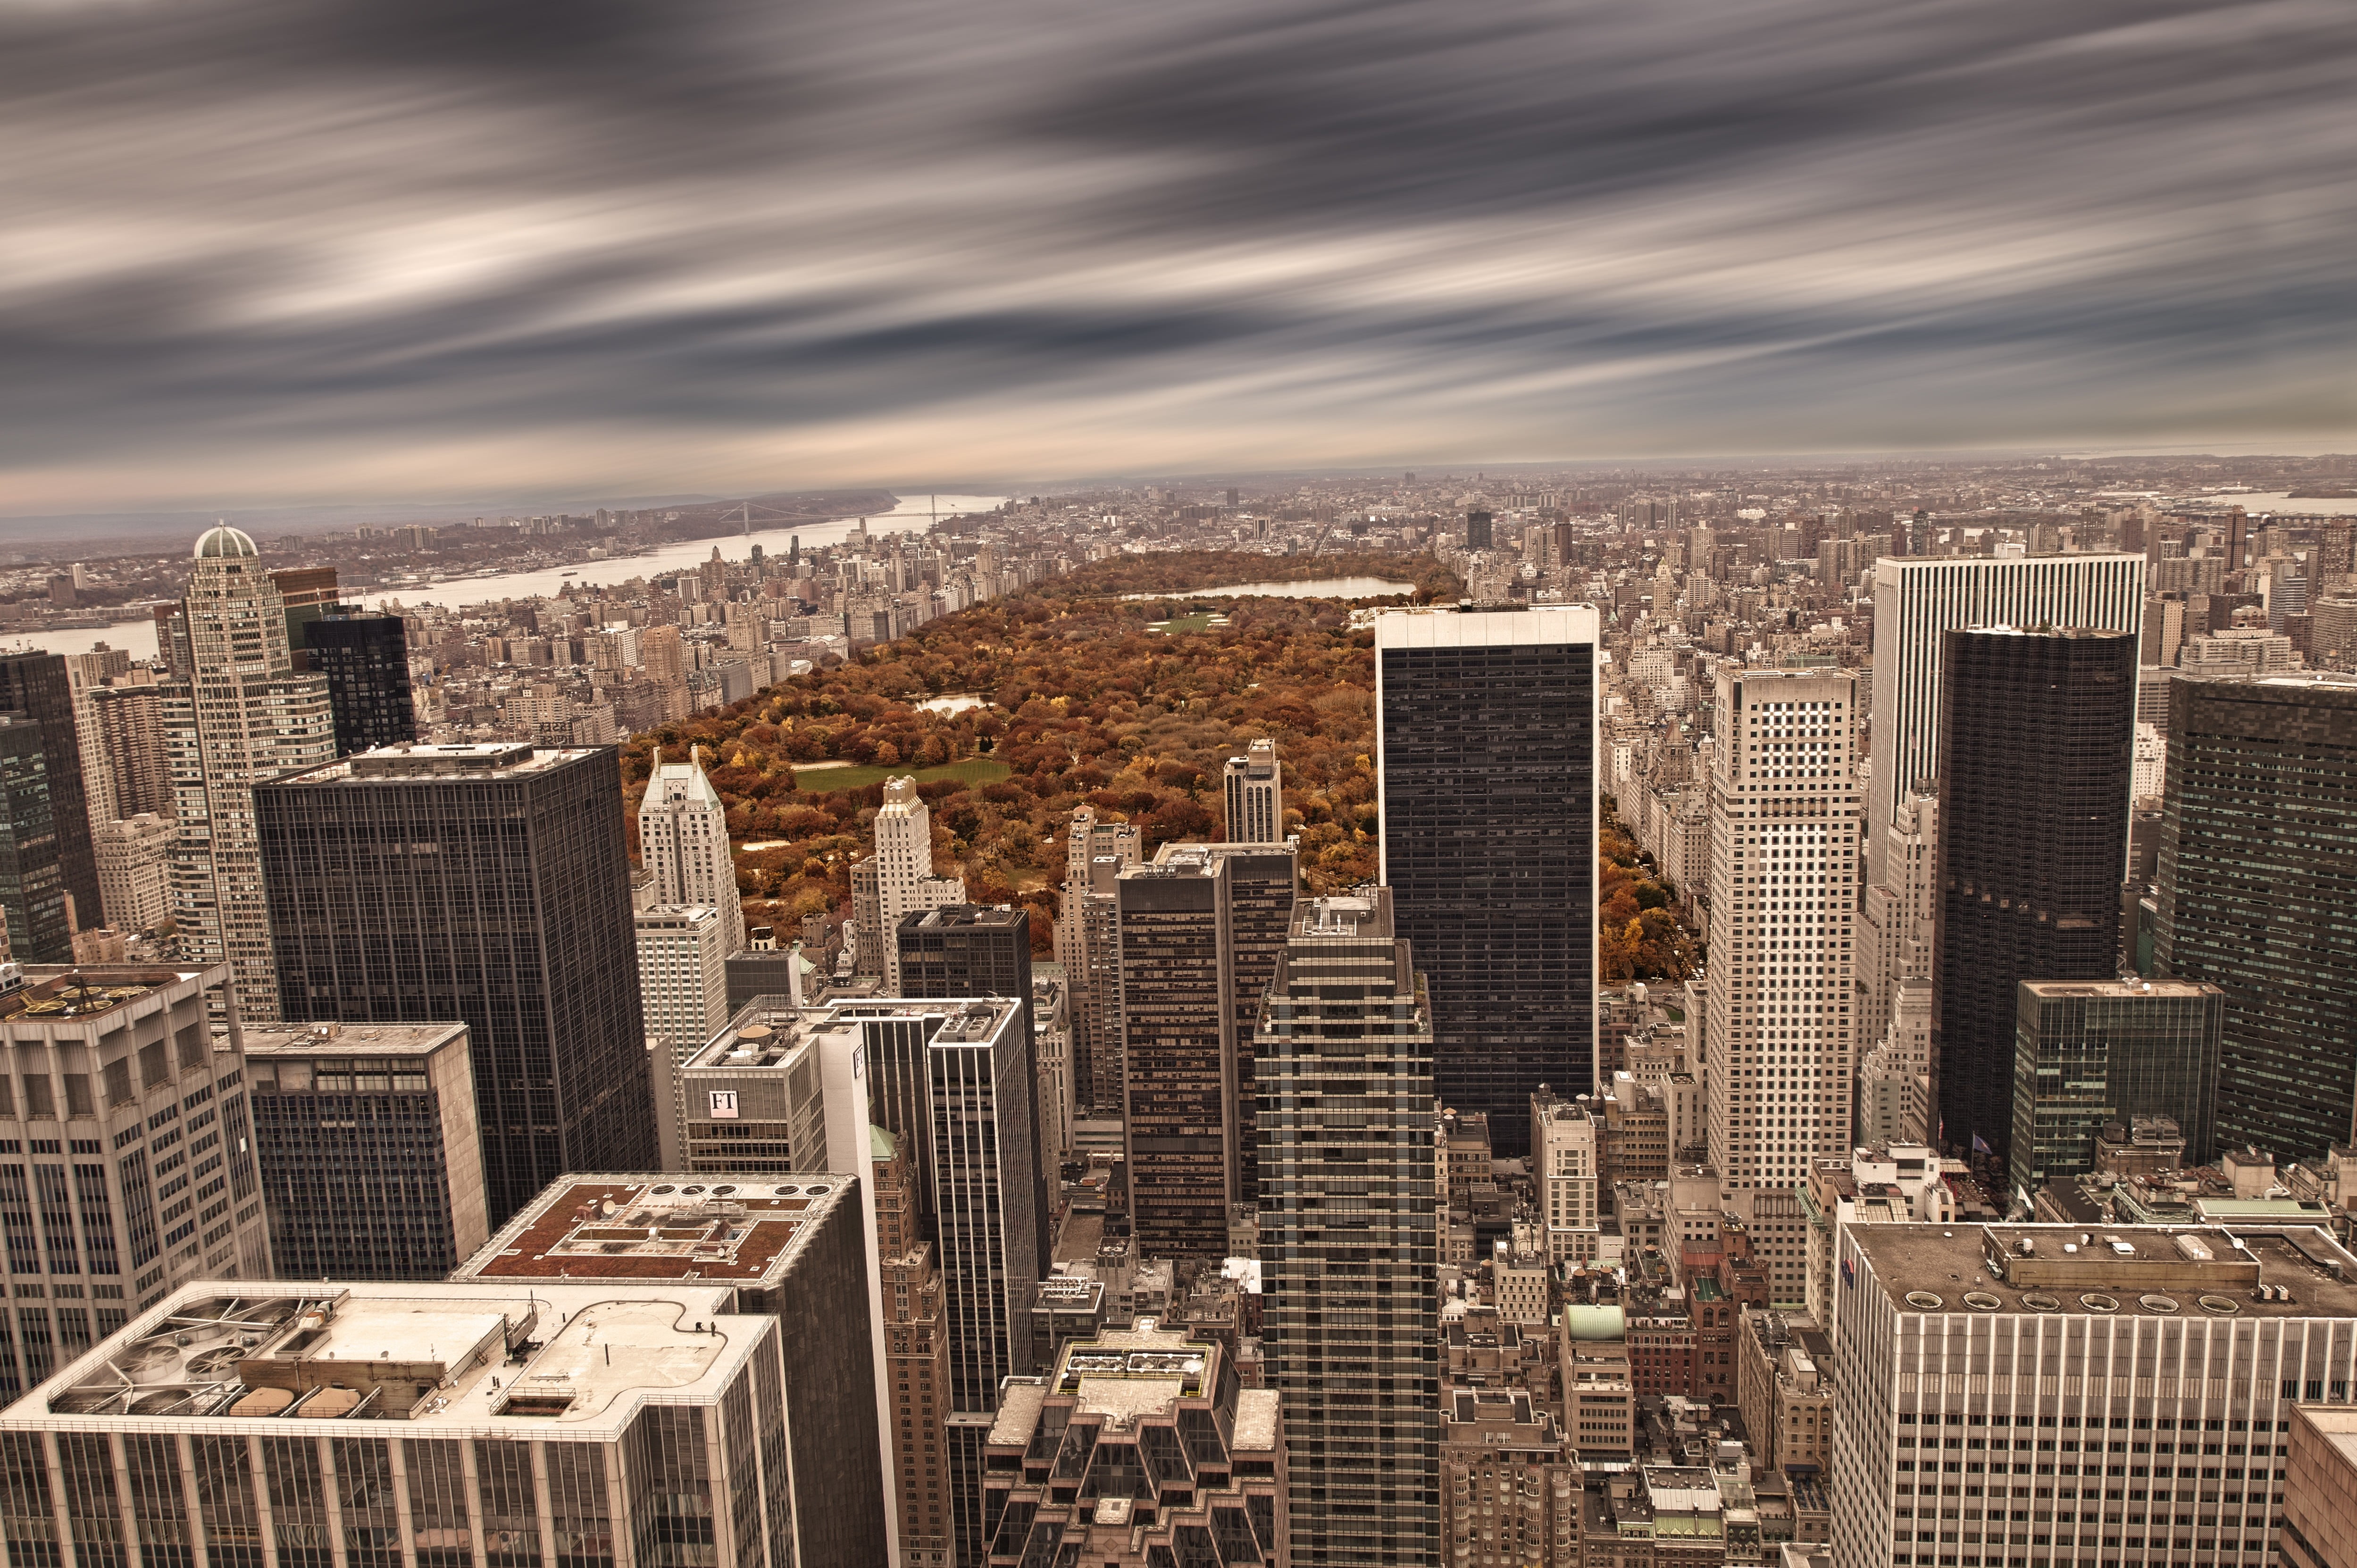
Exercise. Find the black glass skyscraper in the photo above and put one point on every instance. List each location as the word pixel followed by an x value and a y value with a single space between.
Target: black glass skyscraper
pixel 34 686
pixel 2258 861
pixel 1486 740
pixel 366 661
pixel 32 882
pixel 488 884
pixel 2036 753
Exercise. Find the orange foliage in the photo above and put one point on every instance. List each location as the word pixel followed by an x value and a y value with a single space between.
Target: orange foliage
pixel 1086 705
pixel 1639 937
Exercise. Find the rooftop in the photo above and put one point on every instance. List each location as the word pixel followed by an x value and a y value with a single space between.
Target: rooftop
pixel 769 1030
pixel 2284 1270
pixel 1125 1373
pixel 352 1040
pixel 425 761
pixel 2111 989
pixel 643 1228
pixel 465 1357
pixel 67 991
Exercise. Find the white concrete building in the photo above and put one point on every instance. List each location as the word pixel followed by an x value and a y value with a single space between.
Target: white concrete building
pixel 897 880
pixel 241 714
pixel 1564 1149
pixel 683 841
pixel 1255 790
pixel 683 973
pixel 1782 1036
pixel 1894 1084
pixel 135 870
pixel 1895 916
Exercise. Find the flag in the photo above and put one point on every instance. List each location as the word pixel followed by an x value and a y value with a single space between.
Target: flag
pixel 1980 1145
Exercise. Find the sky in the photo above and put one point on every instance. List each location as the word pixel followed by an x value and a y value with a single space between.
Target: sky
pixel 268 252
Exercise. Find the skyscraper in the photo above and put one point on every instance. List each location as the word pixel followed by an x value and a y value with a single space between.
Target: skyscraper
pixel 2037 745
pixel 239 715
pixel 683 841
pixel 794 1253
pixel 86 675
pixel 984 1164
pixel 1260 884
pixel 899 878
pixel 426 1422
pixel 2090 1052
pixel 917 1347
pixel 1917 602
pixel 1350 1245
pixel 1895 916
pixel 967 949
pixel 1178 1053
pixel 142 1171
pixel 1256 795
pixel 32 879
pixel 682 976
pixel 2256 858
pixel 371 1164
pixel 2045 1341
pixel 488 885
pixel 1783 1040
pixel 1485 768
pixel 366 661
pixel 130 734
pixel 1088 946
pixel 34 686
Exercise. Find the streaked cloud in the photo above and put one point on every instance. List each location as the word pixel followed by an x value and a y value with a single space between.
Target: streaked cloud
pixel 258 250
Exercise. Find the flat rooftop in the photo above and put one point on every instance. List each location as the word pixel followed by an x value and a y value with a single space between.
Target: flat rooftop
pixel 352 1040
pixel 651 1229
pixel 2113 990
pixel 409 763
pixel 461 1358
pixel 768 1031
pixel 2154 1271
pixel 1125 1373
pixel 53 991
pixel 958 916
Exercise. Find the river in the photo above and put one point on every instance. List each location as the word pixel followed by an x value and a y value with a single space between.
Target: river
pixel 913 511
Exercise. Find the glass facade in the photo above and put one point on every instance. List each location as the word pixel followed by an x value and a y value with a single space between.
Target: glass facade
pixel 1489 823
pixel 34 686
pixel 2258 867
pixel 366 661
pixel 2036 738
pixel 497 895
pixel 355 1166
pixel 1178 1046
pixel 2091 1053
pixel 32 872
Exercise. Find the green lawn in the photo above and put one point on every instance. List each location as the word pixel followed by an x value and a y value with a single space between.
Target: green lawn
pixel 828 780
pixel 1183 623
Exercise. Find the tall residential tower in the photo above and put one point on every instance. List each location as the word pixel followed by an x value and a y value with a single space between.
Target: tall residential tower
pixel 1349 1245
pixel 683 841
pixel 240 715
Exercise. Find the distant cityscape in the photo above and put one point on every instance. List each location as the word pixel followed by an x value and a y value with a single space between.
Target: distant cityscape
pixel 1845 1055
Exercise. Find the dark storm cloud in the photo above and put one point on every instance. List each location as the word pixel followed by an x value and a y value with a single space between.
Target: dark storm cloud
pixel 266 248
